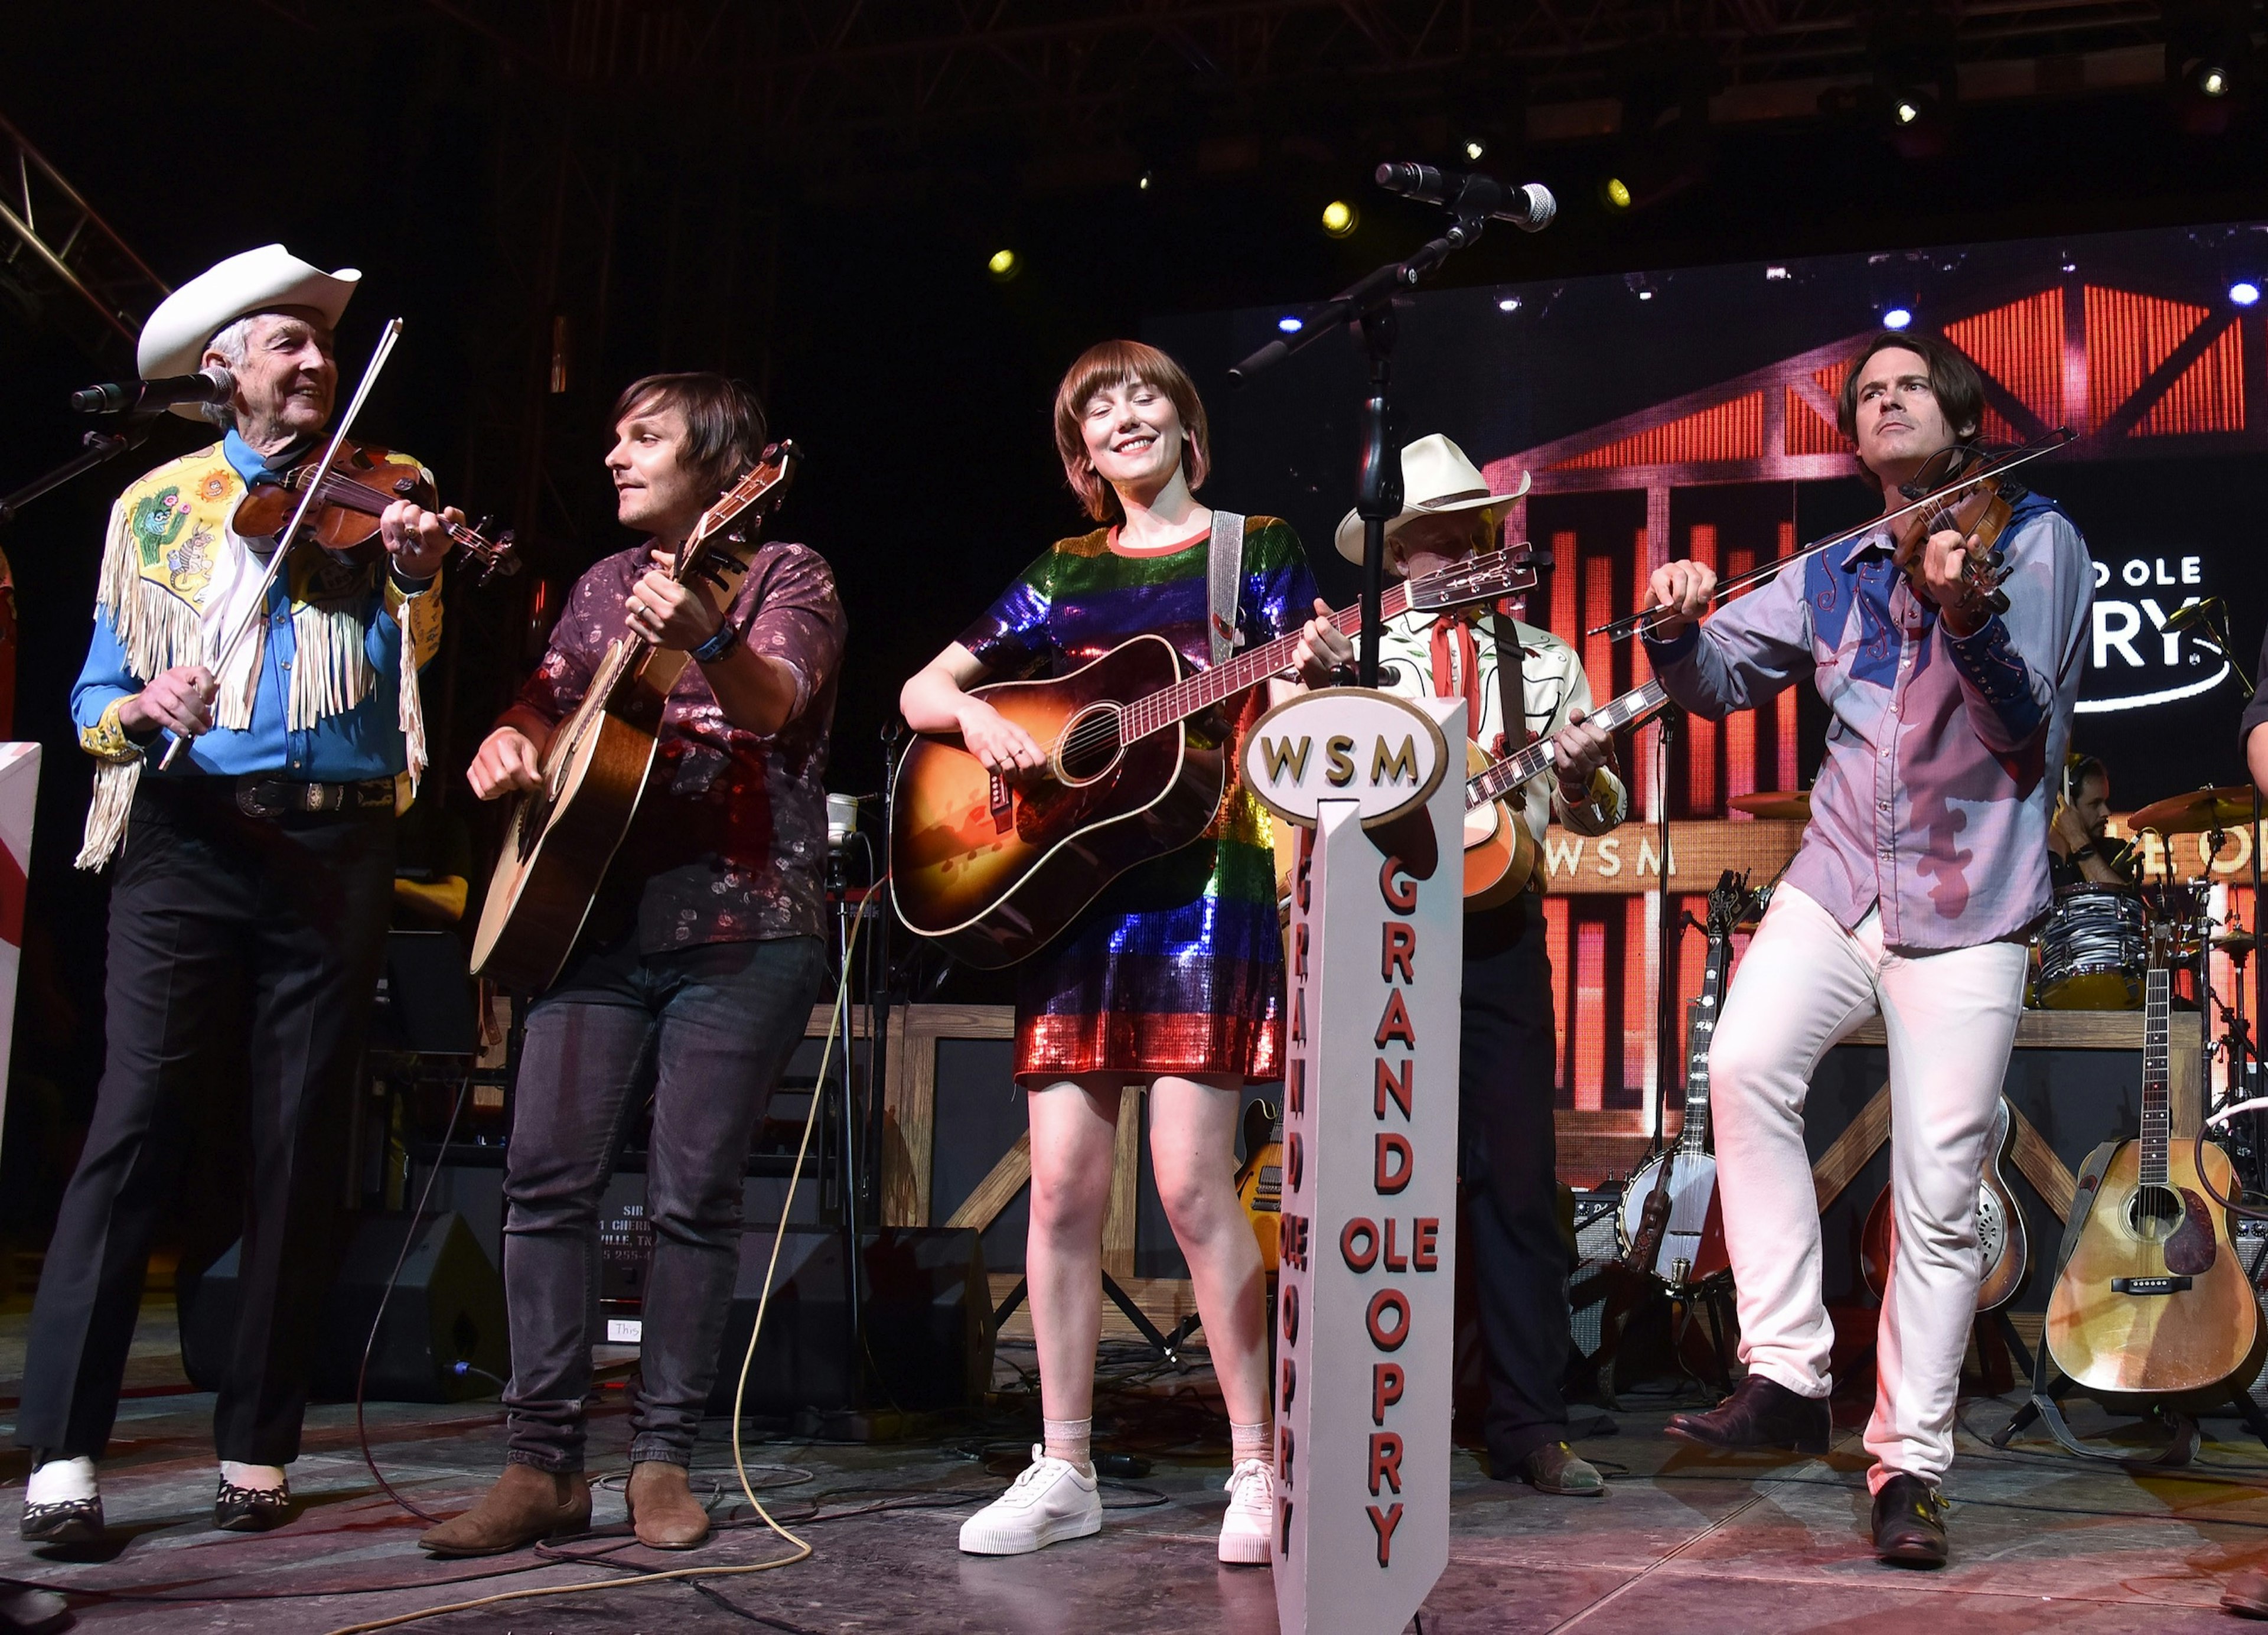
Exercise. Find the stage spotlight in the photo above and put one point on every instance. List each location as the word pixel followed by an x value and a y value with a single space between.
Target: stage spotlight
pixel 1906 110
pixel 1896 318
pixel 2244 292
pixel 1615 193
pixel 2214 82
pixel 1145 183
pixel 1776 275
pixel 1290 325
pixel 1340 219
pixel 1005 265
pixel 1474 148
pixel 1507 304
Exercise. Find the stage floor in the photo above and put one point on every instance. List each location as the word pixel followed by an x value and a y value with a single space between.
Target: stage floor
pixel 1679 1545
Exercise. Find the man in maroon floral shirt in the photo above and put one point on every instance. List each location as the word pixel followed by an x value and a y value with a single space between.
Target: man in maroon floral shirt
pixel 691 981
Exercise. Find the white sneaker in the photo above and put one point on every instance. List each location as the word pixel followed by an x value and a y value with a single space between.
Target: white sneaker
pixel 1249 1529
pixel 1053 1500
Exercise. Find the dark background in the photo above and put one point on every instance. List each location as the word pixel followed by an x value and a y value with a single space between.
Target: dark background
pixel 806 195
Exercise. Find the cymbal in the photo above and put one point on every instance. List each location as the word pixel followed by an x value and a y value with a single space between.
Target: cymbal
pixel 1774 803
pixel 2196 811
pixel 2239 943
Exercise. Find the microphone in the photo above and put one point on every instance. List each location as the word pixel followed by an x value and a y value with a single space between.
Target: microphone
pixel 147 397
pixel 1530 208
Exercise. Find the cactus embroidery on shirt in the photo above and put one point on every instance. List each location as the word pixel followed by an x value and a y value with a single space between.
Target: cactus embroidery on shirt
pixel 157 522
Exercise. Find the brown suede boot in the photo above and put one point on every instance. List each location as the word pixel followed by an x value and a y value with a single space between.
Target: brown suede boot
pixel 525 1505
pixel 662 1507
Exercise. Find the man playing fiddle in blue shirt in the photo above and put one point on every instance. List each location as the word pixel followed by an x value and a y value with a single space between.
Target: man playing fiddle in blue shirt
pixel 252 884
pixel 1925 863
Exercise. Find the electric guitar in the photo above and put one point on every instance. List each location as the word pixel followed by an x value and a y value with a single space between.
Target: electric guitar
pixel 562 835
pixel 1670 1214
pixel 2002 1242
pixel 991 868
pixel 2154 1299
pixel 1260 1178
pixel 1499 851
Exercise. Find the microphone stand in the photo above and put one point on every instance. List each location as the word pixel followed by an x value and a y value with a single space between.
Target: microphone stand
pixel 1368 304
pixel 101 447
pixel 1672 930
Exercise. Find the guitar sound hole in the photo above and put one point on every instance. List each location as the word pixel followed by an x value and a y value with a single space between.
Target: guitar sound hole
pixel 1089 746
pixel 2154 1213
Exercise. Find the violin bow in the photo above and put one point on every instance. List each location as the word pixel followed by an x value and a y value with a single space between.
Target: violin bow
pixel 1645 619
pixel 256 608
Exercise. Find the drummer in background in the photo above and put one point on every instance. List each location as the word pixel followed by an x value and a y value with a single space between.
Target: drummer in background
pixel 2080 850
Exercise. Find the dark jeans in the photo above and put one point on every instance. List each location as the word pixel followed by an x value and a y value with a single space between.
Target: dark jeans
pixel 707 1031
pixel 260 938
pixel 1509 1161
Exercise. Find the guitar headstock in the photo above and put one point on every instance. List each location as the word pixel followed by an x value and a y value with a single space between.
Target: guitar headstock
pixel 1731 902
pixel 762 489
pixel 1486 577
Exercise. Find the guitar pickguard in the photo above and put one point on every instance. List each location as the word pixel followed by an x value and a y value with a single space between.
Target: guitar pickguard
pixel 2191 1250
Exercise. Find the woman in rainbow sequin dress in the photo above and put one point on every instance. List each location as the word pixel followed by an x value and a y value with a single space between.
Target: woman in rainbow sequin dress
pixel 1174 978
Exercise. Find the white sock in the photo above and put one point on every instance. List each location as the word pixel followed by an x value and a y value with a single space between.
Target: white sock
pixel 60 1482
pixel 1249 1441
pixel 1071 1441
pixel 253 1479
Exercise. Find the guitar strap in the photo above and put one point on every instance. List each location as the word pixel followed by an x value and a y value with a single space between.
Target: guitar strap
pixel 1224 583
pixel 2184 1445
pixel 1510 688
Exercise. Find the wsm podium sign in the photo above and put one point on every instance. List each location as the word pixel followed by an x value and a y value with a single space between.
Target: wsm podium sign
pixel 1367 1245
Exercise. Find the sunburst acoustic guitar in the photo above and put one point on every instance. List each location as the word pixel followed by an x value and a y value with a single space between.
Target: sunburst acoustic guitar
pixel 991 868
pixel 2003 1244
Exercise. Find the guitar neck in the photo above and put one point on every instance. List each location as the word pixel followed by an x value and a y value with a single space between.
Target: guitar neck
pixel 2157 1080
pixel 1693 1137
pixel 1199 693
pixel 1515 771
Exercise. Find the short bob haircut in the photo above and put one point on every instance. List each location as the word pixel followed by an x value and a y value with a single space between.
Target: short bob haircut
pixel 1959 389
pixel 1114 363
pixel 724 421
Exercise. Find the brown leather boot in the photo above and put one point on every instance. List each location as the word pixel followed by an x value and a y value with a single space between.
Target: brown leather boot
pixel 663 1510
pixel 525 1505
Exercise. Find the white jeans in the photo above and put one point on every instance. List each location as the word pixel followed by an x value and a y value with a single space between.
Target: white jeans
pixel 1804 984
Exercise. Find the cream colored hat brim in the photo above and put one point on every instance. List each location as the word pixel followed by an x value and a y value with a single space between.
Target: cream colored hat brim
pixel 1349 537
pixel 174 340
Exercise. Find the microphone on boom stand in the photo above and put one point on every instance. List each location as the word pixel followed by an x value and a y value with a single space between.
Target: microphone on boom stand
pixel 1530 208
pixel 147 397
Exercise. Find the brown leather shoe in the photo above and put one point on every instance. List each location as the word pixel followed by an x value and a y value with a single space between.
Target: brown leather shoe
pixel 2246 1592
pixel 525 1505
pixel 663 1510
pixel 1759 1413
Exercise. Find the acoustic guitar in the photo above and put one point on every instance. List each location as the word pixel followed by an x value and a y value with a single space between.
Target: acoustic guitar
pixel 2002 1243
pixel 991 868
pixel 2153 1300
pixel 563 833
pixel 1499 850
pixel 1671 1226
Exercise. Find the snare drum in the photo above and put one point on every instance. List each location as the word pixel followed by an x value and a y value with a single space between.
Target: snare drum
pixel 2092 950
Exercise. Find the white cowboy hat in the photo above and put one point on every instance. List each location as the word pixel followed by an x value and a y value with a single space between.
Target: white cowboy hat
pixel 174 340
pixel 1436 479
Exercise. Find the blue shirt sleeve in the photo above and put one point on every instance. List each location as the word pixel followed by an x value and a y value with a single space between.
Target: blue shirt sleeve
pixel 103 679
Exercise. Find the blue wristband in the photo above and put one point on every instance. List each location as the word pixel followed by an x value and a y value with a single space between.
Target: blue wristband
pixel 727 638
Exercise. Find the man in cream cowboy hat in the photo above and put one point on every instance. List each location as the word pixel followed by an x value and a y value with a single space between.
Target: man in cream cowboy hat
pixel 1508 1159
pixel 253 881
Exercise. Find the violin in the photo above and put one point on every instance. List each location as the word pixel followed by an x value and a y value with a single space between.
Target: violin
pixel 361 484
pixel 1979 511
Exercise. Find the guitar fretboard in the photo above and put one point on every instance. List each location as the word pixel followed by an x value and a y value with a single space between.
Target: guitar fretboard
pixel 1515 771
pixel 1694 1136
pixel 2157 1080
pixel 1482 578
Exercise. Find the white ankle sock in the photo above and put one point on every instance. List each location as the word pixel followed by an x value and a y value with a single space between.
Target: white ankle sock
pixel 1249 1441
pixel 253 1479
pixel 1071 1441
pixel 61 1480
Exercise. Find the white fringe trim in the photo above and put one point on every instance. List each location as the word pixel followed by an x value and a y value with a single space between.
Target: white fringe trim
pixel 412 715
pixel 331 672
pixel 114 782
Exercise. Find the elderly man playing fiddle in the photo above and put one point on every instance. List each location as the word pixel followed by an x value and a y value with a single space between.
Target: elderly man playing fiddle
pixel 252 882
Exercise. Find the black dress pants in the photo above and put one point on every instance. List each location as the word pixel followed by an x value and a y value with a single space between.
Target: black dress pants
pixel 1508 1162
pixel 263 936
